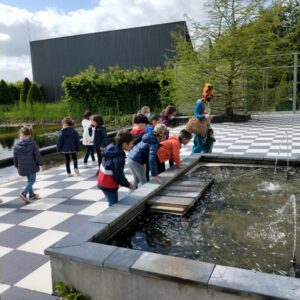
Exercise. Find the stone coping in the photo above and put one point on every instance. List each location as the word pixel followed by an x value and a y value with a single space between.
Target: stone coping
pixel 78 247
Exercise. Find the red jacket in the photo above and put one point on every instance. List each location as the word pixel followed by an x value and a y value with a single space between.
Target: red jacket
pixel 170 149
pixel 106 179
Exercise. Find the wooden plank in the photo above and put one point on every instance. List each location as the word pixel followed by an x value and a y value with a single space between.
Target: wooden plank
pixel 192 195
pixel 171 201
pixel 167 209
pixel 197 189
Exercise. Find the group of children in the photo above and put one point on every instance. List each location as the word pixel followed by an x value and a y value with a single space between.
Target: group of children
pixel 148 145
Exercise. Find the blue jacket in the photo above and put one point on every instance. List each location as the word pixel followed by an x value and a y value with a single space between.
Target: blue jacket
pixel 113 159
pixel 27 157
pixel 199 110
pixel 149 128
pixel 68 140
pixel 146 150
pixel 100 137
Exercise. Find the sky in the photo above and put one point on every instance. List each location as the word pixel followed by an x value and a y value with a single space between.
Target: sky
pixel 24 21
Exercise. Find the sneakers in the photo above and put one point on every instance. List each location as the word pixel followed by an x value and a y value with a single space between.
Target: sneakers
pixel 69 175
pixel 85 165
pixel 34 196
pixel 77 172
pixel 24 198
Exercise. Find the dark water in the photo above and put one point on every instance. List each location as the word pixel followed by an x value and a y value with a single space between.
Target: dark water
pixel 245 220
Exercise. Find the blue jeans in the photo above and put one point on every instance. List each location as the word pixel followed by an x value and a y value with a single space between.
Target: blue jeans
pixel 30 182
pixel 111 196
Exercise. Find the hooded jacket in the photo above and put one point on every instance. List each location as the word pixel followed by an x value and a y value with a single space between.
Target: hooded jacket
pixel 68 140
pixel 27 157
pixel 111 173
pixel 146 150
pixel 100 137
pixel 170 149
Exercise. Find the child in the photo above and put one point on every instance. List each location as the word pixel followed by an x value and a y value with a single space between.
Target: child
pixel 154 120
pixel 88 138
pixel 27 159
pixel 168 115
pixel 143 151
pixel 111 173
pixel 145 111
pixel 170 149
pixel 139 128
pixel 100 136
pixel 68 144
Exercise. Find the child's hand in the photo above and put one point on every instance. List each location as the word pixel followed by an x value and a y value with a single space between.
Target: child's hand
pixel 157 178
pixel 132 187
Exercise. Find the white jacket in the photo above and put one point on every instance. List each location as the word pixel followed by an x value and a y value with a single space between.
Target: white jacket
pixel 87 140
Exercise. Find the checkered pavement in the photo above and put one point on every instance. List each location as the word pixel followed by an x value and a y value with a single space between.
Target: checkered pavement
pixel 26 230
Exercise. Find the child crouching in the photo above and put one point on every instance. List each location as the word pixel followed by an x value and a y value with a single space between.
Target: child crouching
pixel 170 149
pixel 111 172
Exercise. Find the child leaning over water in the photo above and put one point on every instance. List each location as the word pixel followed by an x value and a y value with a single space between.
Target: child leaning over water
pixel 28 160
pixel 68 144
pixel 111 173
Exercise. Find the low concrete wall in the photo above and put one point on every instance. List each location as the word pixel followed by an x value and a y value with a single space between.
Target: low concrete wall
pixel 108 272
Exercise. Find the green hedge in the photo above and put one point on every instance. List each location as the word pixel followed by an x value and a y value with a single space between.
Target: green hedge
pixel 117 91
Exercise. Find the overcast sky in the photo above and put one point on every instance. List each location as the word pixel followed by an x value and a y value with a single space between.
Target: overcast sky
pixel 41 19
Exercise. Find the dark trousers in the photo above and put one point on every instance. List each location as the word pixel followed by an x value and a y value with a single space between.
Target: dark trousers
pixel 89 151
pixel 161 167
pixel 68 161
pixel 111 196
pixel 99 156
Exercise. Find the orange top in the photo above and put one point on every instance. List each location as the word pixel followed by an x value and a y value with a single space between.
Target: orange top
pixel 170 149
pixel 206 91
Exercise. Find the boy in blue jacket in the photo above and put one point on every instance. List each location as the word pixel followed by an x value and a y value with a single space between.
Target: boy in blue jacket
pixel 68 144
pixel 146 150
pixel 111 172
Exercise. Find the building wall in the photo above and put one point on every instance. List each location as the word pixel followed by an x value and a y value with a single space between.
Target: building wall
pixel 141 47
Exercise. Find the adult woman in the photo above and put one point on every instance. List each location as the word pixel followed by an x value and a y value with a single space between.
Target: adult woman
pixel 145 110
pixel 202 112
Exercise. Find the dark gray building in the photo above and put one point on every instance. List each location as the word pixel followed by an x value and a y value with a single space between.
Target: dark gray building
pixel 135 47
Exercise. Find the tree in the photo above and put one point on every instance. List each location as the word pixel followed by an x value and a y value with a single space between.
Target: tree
pixel 25 89
pixel 5 95
pixel 34 95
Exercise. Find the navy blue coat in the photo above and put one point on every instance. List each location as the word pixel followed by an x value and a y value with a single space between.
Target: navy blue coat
pixel 100 137
pixel 146 150
pixel 68 140
pixel 113 158
pixel 27 157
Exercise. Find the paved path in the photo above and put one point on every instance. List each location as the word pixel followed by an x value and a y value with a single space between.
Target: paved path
pixel 26 230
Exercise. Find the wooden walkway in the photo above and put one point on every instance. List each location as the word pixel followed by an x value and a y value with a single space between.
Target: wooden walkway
pixel 180 196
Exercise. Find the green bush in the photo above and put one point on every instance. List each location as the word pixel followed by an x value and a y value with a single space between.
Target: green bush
pixel 116 91
pixel 68 292
pixel 35 95
pixel 5 95
pixel 24 90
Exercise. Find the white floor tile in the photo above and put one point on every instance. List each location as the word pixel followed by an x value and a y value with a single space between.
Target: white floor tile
pixel 9 183
pixel 4 250
pixel 238 147
pixel 218 150
pixel 83 185
pixel 44 177
pixel 3 287
pixel 43 204
pixel 43 241
pixel 46 219
pixel 5 190
pixel 257 151
pixel 43 193
pixel 43 184
pixel 39 280
pixel 91 195
pixel 94 209
pixel 4 226
pixel 260 144
pixel 6 199
pixel 74 178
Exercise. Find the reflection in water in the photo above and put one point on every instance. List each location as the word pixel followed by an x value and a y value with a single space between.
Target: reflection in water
pixel 245 220
pixel 44 135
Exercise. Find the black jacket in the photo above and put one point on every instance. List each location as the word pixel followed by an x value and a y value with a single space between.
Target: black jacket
pixel 100 139
pixel 68 140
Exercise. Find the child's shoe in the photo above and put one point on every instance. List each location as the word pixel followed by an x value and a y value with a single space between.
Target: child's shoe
pixel 34 196
pixel 77 172
pixel 24 198
pixel 69 175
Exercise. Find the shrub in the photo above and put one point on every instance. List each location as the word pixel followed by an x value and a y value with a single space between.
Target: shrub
pixel 5 95
pixel 25 89
pixel 35 95
pixel 68 292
